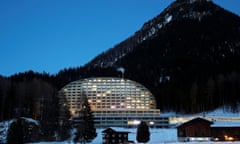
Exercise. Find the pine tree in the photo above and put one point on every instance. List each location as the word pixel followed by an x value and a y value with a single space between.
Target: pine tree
pixel 143 133
pixel 15 133
pixel 64 125
pixel 86 130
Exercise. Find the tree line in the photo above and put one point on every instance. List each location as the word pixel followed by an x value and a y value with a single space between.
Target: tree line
pixel 35 94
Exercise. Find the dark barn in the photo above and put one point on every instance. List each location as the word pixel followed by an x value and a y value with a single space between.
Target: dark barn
pixel 226 131
pixel 197 129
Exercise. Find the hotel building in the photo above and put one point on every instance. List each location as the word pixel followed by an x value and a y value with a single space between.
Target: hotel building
pixel 115 102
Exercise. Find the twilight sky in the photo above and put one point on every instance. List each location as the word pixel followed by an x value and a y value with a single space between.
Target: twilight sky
pixel 50 35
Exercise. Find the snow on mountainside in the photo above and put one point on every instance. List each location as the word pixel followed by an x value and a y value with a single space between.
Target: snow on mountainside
pixel 188 57
pixel 180 9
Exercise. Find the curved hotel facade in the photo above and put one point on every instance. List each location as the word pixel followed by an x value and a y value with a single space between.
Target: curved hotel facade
pixel 114 102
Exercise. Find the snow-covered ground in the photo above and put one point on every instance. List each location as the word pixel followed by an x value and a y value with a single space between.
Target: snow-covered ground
pixel 3 130
pixel 158 136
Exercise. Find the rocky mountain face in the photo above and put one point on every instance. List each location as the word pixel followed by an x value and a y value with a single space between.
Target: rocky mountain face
pixel 188 56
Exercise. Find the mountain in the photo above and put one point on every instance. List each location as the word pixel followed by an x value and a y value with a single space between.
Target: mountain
pixel 181 16
pixel 188 56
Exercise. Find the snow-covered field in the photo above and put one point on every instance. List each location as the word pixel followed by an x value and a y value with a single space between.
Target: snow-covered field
pixel 158 136
pixel 169 136
pixel 156 143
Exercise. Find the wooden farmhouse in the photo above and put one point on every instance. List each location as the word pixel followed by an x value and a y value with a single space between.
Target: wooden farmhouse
pixel 197 129
pixel 226 131
pixel 111 136
pixel 200 129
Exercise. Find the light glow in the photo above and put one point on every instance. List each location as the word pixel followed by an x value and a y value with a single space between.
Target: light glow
pixel 134 122
pixel 72 112
pixel 113 107
pixel 151 123
pixel 228 138
pixel 122 104
pixel 98 101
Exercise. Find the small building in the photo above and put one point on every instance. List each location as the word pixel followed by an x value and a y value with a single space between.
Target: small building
pixel 197 129
pixel 226 131
pixel 110 136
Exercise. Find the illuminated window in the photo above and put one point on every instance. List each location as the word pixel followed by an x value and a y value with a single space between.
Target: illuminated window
pixel 108 93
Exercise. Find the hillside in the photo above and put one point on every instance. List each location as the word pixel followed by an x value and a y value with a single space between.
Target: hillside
pixel 188 56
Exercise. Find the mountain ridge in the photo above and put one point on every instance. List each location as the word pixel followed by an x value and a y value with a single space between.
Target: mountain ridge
pixel 189 51
pixel 151 28
pixel 190 64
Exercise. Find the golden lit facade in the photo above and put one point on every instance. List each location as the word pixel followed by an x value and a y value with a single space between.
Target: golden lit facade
pixel 114 101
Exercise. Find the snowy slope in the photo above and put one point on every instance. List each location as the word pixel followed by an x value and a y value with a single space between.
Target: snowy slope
pixel 6 124
pixel 3 130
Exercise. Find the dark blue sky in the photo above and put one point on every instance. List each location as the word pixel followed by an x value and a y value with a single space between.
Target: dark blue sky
pixel 50 35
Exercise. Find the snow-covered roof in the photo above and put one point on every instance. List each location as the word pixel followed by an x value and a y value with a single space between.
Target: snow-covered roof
pixel 194 119
pixel 225 124
pixel 30 120
pixel 110 130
